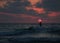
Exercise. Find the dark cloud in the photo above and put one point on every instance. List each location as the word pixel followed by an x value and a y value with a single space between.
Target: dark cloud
pixel 1 9
pixel 52 5
pixel 38 5
pixel 31 12
pixel 16 7
pixel 3 16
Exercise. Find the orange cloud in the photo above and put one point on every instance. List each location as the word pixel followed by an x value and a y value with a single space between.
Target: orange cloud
pixel 54 14
pixel 33 2
pixel 53 17
pixel 2 3
pixel 39 10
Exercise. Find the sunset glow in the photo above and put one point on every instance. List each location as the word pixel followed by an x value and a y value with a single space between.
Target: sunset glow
pixel 30 11
pixel 33 1
pixel 39 10
pixel 54 14
pixel 39 20
pixel 2 3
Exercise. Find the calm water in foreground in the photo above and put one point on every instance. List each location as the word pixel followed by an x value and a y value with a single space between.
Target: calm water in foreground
pixel 29 33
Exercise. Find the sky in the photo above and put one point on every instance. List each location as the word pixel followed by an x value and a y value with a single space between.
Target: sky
pixel 29 11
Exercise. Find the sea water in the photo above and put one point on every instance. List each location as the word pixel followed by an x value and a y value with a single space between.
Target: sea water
pixel 22 33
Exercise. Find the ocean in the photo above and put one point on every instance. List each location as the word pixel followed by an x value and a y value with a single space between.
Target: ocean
pixel 29 33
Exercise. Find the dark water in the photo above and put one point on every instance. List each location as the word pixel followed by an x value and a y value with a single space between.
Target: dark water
pixel 29 33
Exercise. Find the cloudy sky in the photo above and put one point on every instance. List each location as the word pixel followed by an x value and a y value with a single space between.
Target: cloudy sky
pixel 29 11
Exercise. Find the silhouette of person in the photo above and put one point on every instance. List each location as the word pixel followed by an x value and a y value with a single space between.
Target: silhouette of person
pixel 40 22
